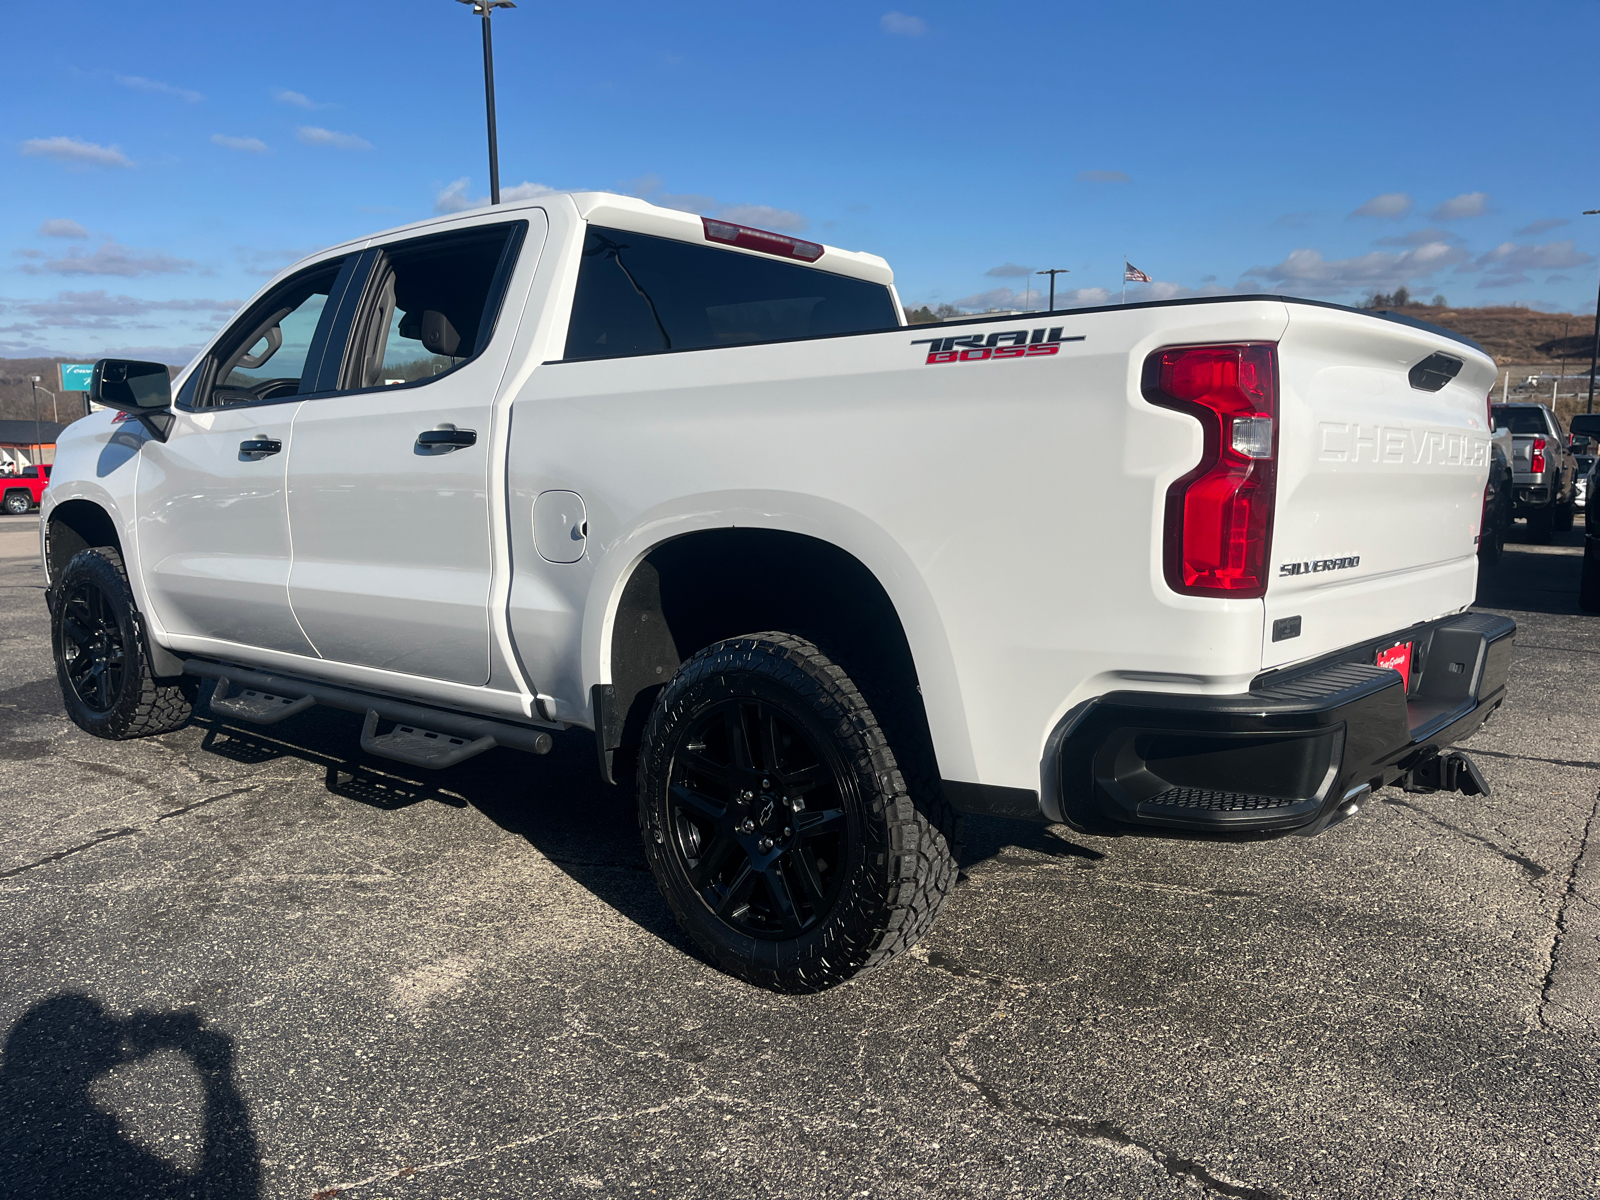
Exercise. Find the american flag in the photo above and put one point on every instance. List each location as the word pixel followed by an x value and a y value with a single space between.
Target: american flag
pixel 1132 274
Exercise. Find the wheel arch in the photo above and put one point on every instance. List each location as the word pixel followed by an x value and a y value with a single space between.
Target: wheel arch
pixel 683 581
pixel 75 525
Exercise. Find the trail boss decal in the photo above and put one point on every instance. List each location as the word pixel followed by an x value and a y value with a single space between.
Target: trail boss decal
pixel 1318 565
pixel 975 347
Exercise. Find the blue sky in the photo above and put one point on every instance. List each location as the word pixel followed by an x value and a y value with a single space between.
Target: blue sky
pixel 160 161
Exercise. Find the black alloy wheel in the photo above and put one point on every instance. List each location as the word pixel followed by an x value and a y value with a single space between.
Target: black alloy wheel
pixel 798 833
pixel 757 818
pixel 96 634
pixel 94 653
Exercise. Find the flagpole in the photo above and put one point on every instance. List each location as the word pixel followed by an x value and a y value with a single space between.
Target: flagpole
pixel 1124 278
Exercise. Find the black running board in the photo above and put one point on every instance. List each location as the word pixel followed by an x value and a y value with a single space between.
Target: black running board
pixel 428 737
pixel 257 707
pixel 421 747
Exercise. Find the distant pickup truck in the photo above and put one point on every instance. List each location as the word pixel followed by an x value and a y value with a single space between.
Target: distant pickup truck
pixel 817 581
pixel 24 490
pixel 1544 469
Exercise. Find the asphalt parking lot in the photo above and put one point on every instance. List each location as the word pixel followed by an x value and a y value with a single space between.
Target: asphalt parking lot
pixel 244 962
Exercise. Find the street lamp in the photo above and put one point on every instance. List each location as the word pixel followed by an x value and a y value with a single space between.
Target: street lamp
pixel 1594 354
pixel 484 8
pixel 55 413
pixel 1053 272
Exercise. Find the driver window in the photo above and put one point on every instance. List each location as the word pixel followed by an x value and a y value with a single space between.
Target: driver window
pixel 266 357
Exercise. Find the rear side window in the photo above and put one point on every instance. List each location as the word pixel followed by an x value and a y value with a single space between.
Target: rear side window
pixel 1521 420
pixel 639 294
pixel 432 305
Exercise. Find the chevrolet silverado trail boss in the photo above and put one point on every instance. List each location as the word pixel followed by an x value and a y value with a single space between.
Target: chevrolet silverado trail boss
pixel 818 582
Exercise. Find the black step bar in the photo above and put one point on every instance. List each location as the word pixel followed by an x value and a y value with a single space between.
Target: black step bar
pixel 267 699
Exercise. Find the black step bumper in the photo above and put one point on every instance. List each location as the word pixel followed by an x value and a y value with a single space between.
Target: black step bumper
pixel 1286 756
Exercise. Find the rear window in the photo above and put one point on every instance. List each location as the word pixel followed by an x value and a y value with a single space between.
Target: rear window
pixel 639 294
pixel 1521 420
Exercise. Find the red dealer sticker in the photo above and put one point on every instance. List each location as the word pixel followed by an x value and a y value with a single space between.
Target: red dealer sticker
pixel 1397 658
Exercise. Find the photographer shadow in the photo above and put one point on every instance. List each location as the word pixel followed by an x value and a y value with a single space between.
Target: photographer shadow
pixel 56 1140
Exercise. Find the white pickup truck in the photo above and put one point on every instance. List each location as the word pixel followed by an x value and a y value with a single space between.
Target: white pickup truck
pixel 819 581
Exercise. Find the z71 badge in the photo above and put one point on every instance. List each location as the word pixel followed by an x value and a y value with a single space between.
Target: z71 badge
pixel 1013 343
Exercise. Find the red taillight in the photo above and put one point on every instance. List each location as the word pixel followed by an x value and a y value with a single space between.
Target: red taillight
pixel 1536 463
pixel 747 238
pixel 1219 515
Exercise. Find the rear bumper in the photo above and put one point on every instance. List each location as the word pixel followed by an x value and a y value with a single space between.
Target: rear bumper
pixel 1286 756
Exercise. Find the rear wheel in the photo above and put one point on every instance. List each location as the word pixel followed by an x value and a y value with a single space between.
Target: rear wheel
pixel 1541 523
pixel 98 640
pixel 1561 517
pixel 16 503
pixel 778 821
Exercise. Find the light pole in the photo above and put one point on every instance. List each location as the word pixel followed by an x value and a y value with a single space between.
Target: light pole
pixel 55 413
pixel 1053 272
pixel 1594 354
pixel 484 8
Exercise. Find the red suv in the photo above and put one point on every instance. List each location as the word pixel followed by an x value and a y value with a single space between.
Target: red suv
pixel 22 491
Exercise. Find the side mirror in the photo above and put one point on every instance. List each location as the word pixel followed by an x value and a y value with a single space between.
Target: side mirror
pixel 143 389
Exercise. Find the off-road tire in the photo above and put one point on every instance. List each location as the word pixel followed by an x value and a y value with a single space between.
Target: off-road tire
pixel 1541 523
pixel 1561 517
pixel 900 863
pixel 1490 544
pixel 16 503
pixel 136 703
pixel 1589 587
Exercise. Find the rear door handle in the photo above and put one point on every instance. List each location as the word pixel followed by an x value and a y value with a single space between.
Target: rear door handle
pixel 252 449
pixel 446 438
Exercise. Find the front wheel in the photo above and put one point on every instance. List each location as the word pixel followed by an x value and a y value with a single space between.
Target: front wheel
pixel 778 821
pixel 106 681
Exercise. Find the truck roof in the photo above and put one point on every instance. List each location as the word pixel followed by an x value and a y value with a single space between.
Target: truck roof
pixel 639 216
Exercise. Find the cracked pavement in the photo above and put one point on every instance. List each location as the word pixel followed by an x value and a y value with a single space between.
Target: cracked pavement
pixel 245 961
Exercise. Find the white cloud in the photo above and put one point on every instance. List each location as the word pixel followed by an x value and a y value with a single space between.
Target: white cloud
pixel 111 259
pixel 315 135
pixel 1009 270
pixel 1544 226
pixel 1420 237
pixel 62 228
pixel 1305 272
pixel 252 145
pixel 764 216
pixel 1083 298
pixel 294 99
pixel 74 152
pixel 93 309
pixel 140 84
pixel 455 198
pixel 1102 177
pixel 1551 256
pixel 1388 206
pixel 902 24
pixel 1459 208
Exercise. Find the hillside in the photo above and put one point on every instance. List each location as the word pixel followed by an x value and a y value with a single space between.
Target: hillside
pixel 1518 336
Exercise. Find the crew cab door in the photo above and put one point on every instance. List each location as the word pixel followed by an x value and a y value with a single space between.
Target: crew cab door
pixel 210 507
pixel 389 479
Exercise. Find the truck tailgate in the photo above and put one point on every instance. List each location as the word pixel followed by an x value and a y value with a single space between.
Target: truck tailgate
pixel 1380 482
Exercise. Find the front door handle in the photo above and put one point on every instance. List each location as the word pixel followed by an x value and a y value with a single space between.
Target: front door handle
pixel 445 439
pixel 253 449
